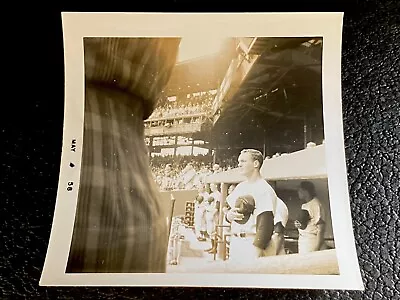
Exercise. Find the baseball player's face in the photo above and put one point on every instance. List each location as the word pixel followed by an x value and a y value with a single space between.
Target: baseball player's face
pixel 302 194
pixel 246 164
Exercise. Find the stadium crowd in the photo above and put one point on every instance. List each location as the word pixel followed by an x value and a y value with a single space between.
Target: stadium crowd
pixel 193 104
pixel 185 172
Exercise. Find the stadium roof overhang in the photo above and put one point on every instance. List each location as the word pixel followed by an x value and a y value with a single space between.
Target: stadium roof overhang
pixel 202 73
pixel 264 84
pixel 283 83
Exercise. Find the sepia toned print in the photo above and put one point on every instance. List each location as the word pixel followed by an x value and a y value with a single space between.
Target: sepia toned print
pixel 203 155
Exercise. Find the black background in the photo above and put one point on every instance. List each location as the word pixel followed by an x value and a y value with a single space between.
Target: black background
pixel 31 143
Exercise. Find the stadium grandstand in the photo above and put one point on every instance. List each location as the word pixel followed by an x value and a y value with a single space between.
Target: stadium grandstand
pixel 254 92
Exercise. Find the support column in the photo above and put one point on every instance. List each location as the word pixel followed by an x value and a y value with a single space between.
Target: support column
pixel 175 145
pixel 151 149
pixel 192 146
pixel 264 149
pixel 267 143
pixel 310 129
pixel 221 249
pixel 305 129
pixel 215 156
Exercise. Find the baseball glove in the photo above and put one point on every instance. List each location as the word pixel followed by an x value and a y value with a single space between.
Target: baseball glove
pixel 246 206
pixel 303 217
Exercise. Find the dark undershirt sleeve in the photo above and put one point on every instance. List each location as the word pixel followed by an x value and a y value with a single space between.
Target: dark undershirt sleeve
pixel 264 229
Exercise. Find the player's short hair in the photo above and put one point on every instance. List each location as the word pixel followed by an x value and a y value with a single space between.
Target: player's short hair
pixel 309 187
pixel 255 155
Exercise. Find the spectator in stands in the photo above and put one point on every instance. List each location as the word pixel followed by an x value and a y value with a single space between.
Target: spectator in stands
pixel 217 168
pixel 204 172
pixel 201 166
pixel 186 106
pixel 168 180
pixel 188 176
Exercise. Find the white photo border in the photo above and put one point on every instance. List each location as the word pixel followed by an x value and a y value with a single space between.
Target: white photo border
pixel 76 26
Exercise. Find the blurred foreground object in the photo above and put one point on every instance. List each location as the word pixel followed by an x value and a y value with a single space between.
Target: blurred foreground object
pixel 120 225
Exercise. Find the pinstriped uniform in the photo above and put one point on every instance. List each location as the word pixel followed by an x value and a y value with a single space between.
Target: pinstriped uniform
pixel 119 224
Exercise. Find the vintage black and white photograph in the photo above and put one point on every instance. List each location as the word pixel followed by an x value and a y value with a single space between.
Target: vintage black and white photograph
pixel 204 154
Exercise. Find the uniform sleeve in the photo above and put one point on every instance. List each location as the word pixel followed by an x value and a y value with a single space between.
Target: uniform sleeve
pixel 281 213
pixel 316 212
pixel 319 213
pixel 266 200
pixel 265 227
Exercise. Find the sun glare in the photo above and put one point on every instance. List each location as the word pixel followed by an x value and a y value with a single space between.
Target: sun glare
pixel 194 47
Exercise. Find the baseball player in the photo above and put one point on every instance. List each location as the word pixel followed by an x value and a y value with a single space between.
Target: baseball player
pixel 252 239
pixel 199 214
pixel 212 209
pixel 175 241
pixel 302 219
pixel 311 238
